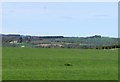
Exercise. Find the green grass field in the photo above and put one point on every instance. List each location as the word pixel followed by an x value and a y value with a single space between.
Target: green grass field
pixel 48 64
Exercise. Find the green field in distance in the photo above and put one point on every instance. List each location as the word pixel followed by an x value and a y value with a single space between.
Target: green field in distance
pixel 50 64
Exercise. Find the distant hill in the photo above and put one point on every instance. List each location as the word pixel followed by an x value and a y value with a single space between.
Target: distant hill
pixel 16 40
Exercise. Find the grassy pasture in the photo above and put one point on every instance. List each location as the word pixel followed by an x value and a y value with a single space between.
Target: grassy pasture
pixel 48 64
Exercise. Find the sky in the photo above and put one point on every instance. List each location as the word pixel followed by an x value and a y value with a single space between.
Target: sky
pixel 60 18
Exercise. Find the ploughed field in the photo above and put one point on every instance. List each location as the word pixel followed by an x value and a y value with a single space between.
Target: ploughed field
pixel 59 64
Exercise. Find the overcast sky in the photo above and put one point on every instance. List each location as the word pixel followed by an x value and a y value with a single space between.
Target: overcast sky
pixel 67 19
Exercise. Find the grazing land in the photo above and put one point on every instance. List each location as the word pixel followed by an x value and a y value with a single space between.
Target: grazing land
pixel 51 64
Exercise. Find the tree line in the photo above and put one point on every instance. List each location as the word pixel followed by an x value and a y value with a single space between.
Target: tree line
pixel 108 47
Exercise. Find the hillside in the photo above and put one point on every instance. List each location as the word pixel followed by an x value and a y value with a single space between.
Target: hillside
pixel 16 40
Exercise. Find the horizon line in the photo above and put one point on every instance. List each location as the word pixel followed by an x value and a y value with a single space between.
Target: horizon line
pixel 60 35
